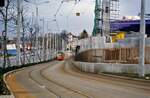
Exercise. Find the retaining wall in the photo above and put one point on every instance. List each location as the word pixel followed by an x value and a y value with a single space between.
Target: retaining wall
pixel 114 68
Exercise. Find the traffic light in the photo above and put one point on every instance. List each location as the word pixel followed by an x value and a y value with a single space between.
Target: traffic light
pixel 2 3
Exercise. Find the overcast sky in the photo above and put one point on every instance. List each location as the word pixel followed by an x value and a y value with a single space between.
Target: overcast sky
pixel 66 17
pixel 75 23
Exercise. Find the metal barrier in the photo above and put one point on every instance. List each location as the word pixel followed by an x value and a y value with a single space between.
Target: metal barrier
pixel 48 46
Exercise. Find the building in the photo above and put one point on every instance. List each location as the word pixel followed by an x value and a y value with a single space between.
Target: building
pixel 71 39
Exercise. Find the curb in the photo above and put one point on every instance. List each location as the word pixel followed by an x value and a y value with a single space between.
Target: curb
pixel 4 78
pixel 8 73
pixel 119 77
pixel 125 78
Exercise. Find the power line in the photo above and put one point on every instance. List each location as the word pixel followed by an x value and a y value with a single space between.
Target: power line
pixel 58 8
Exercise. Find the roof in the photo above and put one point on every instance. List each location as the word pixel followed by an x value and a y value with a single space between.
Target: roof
pixel 71 34
pixel 129 25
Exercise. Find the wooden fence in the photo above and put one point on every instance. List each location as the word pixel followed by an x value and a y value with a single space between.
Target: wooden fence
pixel 114 55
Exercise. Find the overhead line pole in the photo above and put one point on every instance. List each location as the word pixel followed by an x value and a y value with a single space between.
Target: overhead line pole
pixel 36 31
pixel 19 2
pixel 142 41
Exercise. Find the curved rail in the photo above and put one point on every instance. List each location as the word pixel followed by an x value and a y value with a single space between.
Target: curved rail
pixel 55 83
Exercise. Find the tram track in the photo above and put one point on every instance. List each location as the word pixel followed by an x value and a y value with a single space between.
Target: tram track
pixel 64 80
pixel 42 85
pixel 106 78
pixel 55 82
pixel 91 79
pixel 40 72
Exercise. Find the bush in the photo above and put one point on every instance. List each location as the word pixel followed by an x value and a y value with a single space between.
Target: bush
pixel 3 88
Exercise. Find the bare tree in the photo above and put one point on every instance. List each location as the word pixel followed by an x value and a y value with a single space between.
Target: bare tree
pixel 6 16
pixel 7 13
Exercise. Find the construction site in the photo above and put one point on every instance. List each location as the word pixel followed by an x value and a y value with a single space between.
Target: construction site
pixel 109 58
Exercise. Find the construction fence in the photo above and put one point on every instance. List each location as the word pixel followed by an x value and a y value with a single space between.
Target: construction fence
pixel 113 55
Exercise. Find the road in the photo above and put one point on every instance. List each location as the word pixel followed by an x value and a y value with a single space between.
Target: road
pixel 62 80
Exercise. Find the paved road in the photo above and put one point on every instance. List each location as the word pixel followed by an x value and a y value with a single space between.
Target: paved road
pixel 62 80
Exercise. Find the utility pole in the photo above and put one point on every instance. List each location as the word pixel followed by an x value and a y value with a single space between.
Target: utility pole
pixel 47 43
pixel 36 3
pixel 4 48
pixel 43 25
pixel 19 2
pixel 142 41
pixel 36 31
pixel 50 46
pixel 23 37
pixel 53 45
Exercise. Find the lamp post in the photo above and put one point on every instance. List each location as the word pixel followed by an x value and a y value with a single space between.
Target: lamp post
pixel 142 41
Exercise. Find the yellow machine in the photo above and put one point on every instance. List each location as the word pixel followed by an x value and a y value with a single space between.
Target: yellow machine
pixel 117 36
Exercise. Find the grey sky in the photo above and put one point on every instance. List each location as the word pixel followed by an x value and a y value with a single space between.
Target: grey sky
pixel 67 19
pixel 86 7
pixel 132 7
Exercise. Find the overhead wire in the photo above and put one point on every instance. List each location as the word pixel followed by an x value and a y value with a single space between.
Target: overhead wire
pixel 59 8
pixel 55 15
pixel 67 17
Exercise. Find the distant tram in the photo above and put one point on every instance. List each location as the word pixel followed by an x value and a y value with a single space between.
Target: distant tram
pixel 60 56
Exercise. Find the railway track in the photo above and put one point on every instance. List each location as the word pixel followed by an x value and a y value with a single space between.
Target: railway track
pixel 55 83
pixel 63 80
pixel 105 78
pixel 42 85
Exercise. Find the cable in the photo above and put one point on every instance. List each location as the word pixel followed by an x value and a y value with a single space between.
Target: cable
pixel 57 24
pixel 59 8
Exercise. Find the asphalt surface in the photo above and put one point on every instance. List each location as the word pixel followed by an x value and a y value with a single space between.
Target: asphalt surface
pixel 62 80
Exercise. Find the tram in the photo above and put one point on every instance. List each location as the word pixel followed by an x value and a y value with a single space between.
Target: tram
pixel 60 56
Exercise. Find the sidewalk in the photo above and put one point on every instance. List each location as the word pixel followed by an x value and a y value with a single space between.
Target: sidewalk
pixel 16 88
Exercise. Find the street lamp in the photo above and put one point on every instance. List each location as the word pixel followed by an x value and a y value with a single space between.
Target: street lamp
pixel 142 41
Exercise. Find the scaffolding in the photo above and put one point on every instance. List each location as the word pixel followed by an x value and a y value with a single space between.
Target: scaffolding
pixel 105 12
pixel 106 17
pixel 114 10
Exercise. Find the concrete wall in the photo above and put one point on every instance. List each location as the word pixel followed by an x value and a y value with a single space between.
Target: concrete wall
pixel 115 68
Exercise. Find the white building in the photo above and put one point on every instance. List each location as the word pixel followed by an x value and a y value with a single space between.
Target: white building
pixel 72 41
